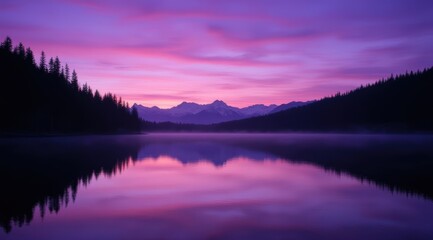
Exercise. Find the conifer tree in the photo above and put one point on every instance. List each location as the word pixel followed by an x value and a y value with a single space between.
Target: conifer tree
pixel 51 65
pixel 21 51
pixel 57 66
pixel 74 81
pixel 62 73
pixel 67 73
pixel 29 56
pixel 98 96
pixel 7 44
pixel 42 63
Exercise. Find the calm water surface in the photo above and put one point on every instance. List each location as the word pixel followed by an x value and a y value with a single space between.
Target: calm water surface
pixel 217 186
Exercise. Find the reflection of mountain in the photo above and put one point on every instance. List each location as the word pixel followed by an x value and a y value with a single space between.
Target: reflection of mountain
pixel 45 173
pixel 192 152
pixel 402 163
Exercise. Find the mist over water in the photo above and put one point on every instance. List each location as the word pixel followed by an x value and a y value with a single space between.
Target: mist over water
pixel 217 186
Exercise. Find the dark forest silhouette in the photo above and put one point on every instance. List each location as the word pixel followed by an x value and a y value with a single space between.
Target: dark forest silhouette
pixel 397 104
pixel 401 103
pixel 54 101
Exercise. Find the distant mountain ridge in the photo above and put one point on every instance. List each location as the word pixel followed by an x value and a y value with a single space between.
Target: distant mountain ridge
pixel 400 103
pixel 215 112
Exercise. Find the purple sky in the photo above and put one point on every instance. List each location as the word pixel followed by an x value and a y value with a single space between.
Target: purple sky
pixel 243 52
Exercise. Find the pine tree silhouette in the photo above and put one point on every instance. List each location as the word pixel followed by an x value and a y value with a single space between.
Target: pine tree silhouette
pixel 53 103
pixel 67 73
pixel 29 57
pixel 42 63
pixel 7 44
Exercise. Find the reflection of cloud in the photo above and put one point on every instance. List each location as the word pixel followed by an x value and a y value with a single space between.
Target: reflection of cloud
pixel 244 199
pixel 265 186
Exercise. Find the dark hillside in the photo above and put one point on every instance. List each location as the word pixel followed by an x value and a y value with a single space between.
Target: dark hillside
pixel 46 98
pixel 402 103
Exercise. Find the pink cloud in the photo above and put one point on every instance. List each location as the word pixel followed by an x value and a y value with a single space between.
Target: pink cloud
pixel 233 50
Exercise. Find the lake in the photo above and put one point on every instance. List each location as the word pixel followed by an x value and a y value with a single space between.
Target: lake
pixel 217 186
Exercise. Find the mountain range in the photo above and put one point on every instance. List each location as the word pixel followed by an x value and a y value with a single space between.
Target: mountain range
pixel 215 112
pixel 401 103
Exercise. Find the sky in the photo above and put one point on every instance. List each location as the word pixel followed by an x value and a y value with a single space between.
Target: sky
pixel 244 52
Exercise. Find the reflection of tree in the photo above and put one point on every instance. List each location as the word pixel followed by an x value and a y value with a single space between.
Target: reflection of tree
pixel 403 164
pixel 46 173
pixel 397 163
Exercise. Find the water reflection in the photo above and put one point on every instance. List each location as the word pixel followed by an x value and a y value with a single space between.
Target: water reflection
pixel 218 186
pixel 398 163
pixel 44 174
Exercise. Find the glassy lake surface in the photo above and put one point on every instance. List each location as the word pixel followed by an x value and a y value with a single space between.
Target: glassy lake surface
pixel 217 186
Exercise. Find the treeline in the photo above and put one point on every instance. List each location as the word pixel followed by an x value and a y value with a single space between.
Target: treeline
pixel 173 127
pixel 402 103
pixel 46 97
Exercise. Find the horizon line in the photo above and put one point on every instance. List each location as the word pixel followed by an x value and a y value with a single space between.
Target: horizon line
pixel 267 105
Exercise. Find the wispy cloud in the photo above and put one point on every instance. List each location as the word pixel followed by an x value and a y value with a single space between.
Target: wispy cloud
pixel 165 52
